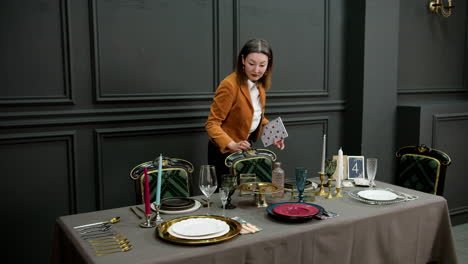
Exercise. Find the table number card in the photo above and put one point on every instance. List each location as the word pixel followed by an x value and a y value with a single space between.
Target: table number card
pixel 355 167
pixel 273 131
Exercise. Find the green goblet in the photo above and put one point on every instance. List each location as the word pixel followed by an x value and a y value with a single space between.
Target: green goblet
pixel 230 183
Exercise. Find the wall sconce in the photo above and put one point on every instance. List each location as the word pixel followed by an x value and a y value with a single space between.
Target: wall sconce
pixel 437 7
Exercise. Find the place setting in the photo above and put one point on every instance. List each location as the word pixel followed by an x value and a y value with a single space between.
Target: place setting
pixel 200 229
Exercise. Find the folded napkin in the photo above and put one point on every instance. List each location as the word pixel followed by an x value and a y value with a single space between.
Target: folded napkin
pixel 361 182
pixel 326 215
pixel 247 228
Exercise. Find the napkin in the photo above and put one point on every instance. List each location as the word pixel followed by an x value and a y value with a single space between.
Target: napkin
pixel 247 228
pixel 326 215
pixel 273 131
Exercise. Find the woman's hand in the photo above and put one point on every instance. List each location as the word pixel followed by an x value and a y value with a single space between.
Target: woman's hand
pixel 238 146
pixel 279 144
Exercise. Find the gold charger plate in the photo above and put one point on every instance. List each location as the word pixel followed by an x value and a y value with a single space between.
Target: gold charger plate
pixel 259 187
pixel 234 229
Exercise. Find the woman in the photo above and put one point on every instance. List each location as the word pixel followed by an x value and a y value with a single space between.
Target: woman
pixel 237 113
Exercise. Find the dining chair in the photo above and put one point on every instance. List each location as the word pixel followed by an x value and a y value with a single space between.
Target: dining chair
pixel 422 168
pixel 252 161
pixel 175 178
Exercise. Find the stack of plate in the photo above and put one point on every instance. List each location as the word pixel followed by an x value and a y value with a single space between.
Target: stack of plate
pixel 178 205
pixel 294 212
pixel 199 229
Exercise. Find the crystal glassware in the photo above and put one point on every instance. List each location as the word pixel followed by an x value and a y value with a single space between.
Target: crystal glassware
pixel 371 167
pixel 301 176
pixel 224 194
pixel 229 183
pixel 207 182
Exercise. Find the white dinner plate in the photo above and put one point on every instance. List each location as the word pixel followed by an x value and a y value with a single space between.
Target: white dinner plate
pixel 199 227
pixel 377 195
pixel 218 234
pixel 195 207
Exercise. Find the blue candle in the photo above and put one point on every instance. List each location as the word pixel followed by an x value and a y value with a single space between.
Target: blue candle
pixel 158 185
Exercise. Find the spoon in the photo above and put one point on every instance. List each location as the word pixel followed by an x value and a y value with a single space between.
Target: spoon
pixel 108 248
pixel 110 243
pixel 110 252
pixel 112 238
pixel 111 221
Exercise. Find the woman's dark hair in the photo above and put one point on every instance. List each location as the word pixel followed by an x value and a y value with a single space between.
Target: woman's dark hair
pixel 255 46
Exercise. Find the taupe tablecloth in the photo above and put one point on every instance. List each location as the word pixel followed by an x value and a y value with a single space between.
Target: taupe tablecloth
pixel 416 231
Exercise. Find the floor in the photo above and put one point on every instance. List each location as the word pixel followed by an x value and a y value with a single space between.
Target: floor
pixel 460 233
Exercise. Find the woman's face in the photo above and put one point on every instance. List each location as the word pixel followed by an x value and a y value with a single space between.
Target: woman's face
pixel 255 65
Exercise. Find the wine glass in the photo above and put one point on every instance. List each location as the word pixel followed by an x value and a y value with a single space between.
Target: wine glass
pixel 371 166
pixel 301 175
pixel 224 194
pixel 229 183
pixel 207 182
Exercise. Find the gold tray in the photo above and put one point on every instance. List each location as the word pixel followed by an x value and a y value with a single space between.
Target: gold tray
pixel 259 187
pixel 162 231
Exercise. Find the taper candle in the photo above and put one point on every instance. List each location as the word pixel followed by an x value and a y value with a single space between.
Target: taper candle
pixel 147 193
pixel 340 168
pixel 322 169
pixel 158 185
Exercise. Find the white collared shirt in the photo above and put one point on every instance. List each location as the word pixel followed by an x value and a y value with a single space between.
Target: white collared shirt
pixel 257 106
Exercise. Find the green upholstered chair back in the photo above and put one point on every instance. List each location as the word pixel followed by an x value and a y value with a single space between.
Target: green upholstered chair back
pixel 176 178
pixel 257 161
pixel 422 168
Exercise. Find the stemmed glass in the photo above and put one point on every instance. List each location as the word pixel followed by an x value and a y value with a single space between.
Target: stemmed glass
pixel 207 182
pixel 371 166
pixel 301 175
pixel 229 183
pixel 224 194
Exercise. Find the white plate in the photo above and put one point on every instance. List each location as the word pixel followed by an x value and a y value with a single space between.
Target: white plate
pixel 195 207
pixel 222 232
pixel 199 227
pixel 377 195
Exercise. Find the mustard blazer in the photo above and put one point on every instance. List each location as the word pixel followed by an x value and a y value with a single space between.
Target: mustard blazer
pixel 231 113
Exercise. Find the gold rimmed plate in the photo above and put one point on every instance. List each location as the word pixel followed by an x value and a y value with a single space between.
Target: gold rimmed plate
pixel 162 231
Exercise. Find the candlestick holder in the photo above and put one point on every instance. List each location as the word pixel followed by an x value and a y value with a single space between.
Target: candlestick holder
pixel 338 192
pixel 148 223
pixel 158 217
pixel 321 191
pixel 329 194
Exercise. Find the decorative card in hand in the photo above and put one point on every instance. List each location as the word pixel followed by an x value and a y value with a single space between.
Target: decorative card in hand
pixel 273 131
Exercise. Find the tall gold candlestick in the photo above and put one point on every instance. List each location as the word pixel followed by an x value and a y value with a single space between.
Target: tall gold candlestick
pixel 321 191
pixel 329 194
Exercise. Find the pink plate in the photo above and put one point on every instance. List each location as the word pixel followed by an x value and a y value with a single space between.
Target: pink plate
pixel 296 210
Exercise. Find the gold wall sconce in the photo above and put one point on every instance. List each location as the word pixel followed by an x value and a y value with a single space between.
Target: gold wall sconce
pixel 437 7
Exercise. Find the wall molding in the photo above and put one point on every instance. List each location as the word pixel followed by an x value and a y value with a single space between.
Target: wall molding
pixel 101 134
pixel 458 211
pixel 456 89
pixel 69 137
pixel 326 51
pixel 66 63
pixel 101 97
pixel 112 115
pixel 437 119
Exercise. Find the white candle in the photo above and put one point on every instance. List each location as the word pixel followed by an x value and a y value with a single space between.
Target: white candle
pixel 322 169
pixel 158 185
pixel 340 168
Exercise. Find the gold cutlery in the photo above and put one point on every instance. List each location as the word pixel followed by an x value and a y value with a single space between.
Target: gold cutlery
pixel 109 248
pixel 110 243
pixel 115 251
pixel 111 221
pixel 117 237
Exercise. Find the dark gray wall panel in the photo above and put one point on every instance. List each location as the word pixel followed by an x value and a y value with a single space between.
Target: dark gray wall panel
pixel 121 149
pixel 299 49
pixel 449 135
pixel 35 66
pixel 431 50
pixel 154 49
pixel 39 171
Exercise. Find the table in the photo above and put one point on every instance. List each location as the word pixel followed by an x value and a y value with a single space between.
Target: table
pixel 416 231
